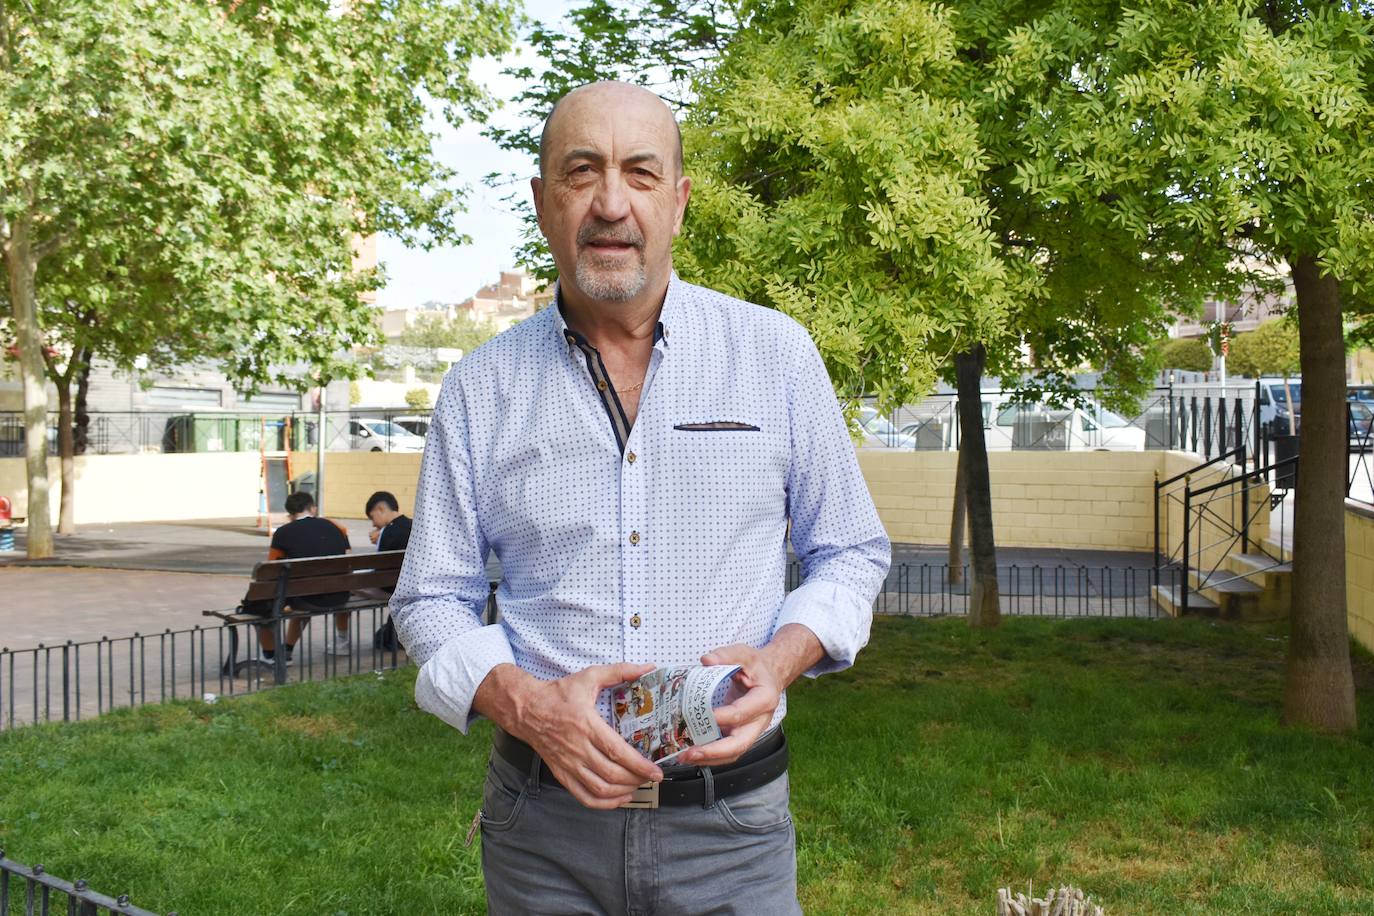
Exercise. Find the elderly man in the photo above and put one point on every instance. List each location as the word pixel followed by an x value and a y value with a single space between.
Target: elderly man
pixel 634 456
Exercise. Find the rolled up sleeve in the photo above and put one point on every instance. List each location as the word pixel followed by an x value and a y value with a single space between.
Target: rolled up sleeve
pixel 835 530
pixel 442 589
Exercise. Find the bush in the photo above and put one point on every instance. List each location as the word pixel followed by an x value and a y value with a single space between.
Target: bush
pixel 1188 354
pixel 418 399
pixel 1270 349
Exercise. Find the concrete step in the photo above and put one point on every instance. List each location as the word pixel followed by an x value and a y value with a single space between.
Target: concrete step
pixel 1241 598
pixel 1276 549
pixel 1170 601
pixel 1255 564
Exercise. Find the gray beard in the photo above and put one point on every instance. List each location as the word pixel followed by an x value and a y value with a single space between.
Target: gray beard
pixel 610 286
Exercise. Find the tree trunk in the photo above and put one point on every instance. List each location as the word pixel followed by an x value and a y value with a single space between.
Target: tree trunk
pixel 957 523
pixel 66 514
pixel 81 432
pixel 1319 690
pixel 984 601
pixel 22 265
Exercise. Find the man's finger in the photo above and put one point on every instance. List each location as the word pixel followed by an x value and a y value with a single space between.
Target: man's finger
pixel 610 675
pixel 634 762
pixel 724 750
pixel 757 702
pixel 736 654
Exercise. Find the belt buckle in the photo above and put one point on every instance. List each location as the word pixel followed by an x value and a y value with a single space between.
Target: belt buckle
pixel 646 796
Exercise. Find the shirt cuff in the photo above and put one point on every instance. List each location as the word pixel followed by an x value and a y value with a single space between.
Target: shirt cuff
pixel 449 680
pixel 838 616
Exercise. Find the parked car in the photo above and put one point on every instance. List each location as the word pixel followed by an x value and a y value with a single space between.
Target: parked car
pixel 1274 408
pixel 1361 426
pixel 1089 427
pixel 880 433
pixel 417 424
pixel 373 434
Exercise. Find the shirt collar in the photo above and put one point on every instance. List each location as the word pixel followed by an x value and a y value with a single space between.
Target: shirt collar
pixel 668 315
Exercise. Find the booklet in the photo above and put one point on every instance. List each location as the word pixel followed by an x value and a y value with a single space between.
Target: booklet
pixel 671 709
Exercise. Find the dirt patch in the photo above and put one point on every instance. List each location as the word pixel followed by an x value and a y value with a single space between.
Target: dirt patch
pixel 314 726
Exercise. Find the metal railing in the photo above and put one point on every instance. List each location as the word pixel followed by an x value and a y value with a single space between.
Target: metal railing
pixel 182 431
pixel 1189 418
pixel 1214 507
pixel 40 888
pixel 79 680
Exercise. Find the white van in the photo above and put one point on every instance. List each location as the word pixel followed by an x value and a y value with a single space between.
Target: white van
pixel 1092 427
pixel 373 434
pixel 1274 409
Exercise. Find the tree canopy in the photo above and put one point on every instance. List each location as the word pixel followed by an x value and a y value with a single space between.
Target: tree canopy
pixel 188 180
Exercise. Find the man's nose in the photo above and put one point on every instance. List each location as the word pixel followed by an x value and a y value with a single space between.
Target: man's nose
pixel 611 202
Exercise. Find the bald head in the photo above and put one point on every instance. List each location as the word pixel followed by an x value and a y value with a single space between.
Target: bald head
pixel 634 100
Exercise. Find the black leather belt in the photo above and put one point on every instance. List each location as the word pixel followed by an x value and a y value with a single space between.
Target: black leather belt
pixel 760 765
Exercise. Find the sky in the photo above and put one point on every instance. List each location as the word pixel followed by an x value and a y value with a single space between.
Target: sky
pixel 450 274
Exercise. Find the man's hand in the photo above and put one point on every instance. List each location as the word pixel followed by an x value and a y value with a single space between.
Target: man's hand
pixel 757 689
pixel 559 720
pixel 374 534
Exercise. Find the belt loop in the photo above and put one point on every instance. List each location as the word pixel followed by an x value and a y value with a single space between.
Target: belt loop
pixel 532 778
pixel 708 788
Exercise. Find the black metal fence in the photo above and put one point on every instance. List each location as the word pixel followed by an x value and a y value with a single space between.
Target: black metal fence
pixel 78 680
pixel 1203 419
pixel 40 889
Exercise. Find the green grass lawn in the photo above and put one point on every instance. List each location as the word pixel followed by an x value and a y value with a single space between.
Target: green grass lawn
pixel 1139 760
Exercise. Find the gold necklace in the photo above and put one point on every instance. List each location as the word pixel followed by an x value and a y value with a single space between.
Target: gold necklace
pixel 632 388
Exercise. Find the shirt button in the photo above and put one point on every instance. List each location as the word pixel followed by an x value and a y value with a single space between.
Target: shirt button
pixel 631 457
pixel 635 621
pixel 634 538
pixel 601 385
pixel 571 340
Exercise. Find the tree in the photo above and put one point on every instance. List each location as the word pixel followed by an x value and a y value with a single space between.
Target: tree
pixel 462 331
pixel 1258 119
pixel 184 181
pixel 1187 353
pixel 876 170
pixel 664 45
pixel 1270 349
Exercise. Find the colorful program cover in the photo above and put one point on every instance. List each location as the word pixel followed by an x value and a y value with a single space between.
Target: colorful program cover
pixel 670 709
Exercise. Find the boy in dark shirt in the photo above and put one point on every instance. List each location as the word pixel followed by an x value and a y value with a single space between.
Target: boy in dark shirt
pixel 308 535
pixel 390 531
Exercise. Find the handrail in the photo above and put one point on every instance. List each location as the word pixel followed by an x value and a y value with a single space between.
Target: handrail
pixel 1238 450
pixel 1258 473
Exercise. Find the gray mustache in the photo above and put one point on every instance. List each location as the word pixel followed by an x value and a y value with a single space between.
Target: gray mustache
pixel 609 233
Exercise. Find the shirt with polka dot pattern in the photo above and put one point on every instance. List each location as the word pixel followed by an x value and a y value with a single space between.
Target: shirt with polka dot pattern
pixel 654 544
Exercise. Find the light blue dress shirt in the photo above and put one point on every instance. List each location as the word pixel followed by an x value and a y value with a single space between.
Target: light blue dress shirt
pixel 655 549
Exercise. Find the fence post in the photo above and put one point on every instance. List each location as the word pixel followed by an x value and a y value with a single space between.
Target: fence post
pixel 1244 505
pixel 1156 572
pixel 1192 424
pixel 1187 510
pixel 1259 431
pixel 66 682
pixel 1207 427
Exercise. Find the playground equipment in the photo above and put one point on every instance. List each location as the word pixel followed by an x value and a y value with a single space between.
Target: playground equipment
pixel 276 470
pixel 6 523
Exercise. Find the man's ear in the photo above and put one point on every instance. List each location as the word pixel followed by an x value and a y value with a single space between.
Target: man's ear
pixel 684 193
pixel 537 191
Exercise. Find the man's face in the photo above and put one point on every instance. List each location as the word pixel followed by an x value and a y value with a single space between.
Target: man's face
pixel 611 198
pixel 381 515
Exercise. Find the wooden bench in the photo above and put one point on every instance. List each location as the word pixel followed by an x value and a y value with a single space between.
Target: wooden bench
pixel 278 582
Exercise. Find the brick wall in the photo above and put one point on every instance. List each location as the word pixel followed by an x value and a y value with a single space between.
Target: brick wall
pixel 1359 572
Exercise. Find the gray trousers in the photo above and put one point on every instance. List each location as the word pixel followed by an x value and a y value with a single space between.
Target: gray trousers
pixel 543 852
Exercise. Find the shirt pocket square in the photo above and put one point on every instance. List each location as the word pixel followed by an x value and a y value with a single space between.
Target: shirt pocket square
pixel 717 426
